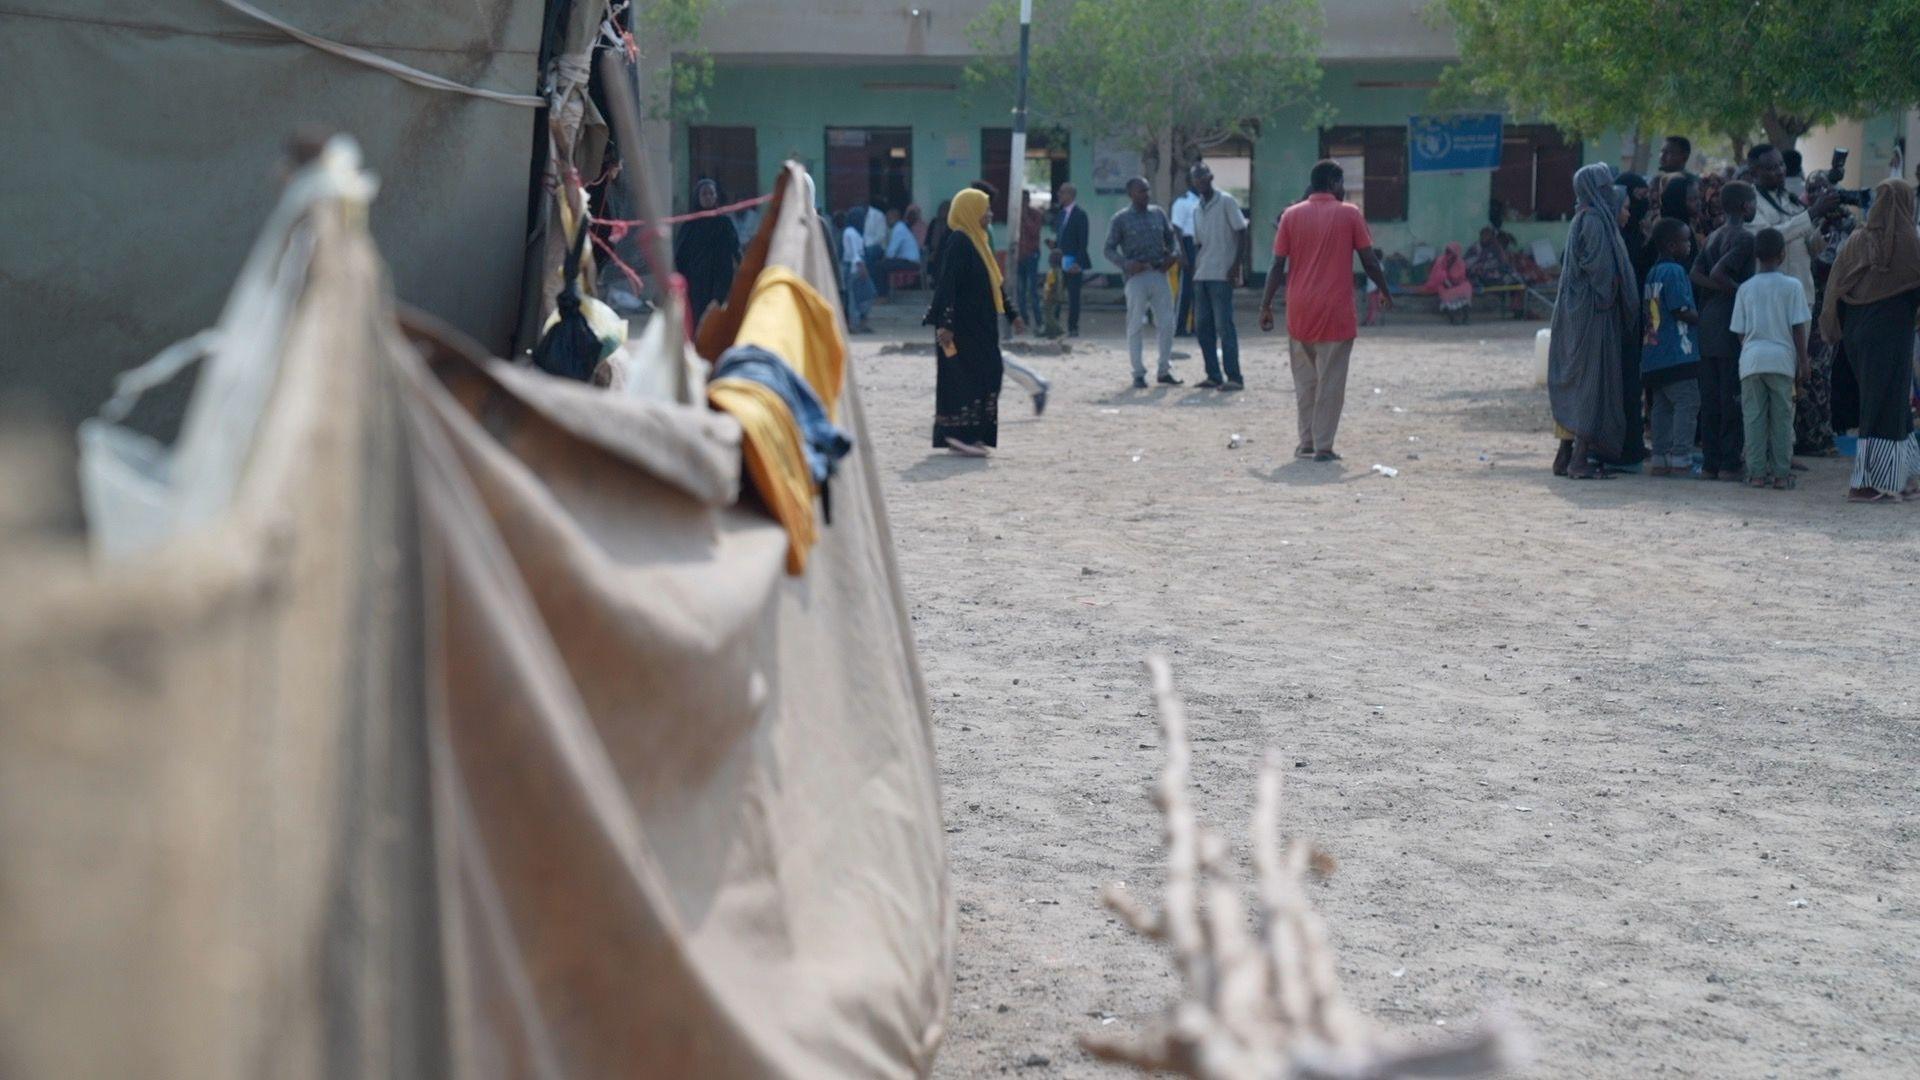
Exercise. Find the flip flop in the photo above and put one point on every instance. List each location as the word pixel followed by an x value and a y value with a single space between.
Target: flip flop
pixel 1874 497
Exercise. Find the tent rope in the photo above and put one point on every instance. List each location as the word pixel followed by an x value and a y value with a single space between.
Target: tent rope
pixel 380 63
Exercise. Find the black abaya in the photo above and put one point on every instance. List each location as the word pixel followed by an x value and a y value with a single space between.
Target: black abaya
pixel 706 253
pixel 967 386
pixel 1879 339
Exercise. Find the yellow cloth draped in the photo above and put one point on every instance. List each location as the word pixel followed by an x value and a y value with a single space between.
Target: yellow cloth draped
pixel 776 460
pixel 790 319
pixel 969 209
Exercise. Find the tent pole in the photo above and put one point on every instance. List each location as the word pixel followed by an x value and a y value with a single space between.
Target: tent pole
pixel 1017 163
pixel 623 94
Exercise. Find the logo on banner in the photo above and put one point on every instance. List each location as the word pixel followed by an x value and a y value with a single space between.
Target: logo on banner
pixel 1458 142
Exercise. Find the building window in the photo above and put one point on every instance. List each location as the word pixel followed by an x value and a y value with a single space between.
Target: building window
pixel 1046 170
pixel 729 156
pixel 869 167
pixel 1535 178
pixel 1375 162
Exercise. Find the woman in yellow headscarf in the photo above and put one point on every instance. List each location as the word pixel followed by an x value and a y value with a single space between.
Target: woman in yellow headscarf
pixel 968 302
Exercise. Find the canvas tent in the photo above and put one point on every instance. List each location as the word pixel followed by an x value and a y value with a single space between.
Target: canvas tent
pixel 482 734
pixel 144 138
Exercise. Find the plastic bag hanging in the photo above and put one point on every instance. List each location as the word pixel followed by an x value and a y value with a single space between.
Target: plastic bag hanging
pixel 569 348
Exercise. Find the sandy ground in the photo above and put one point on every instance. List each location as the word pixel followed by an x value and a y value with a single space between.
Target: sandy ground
pixel 1635 759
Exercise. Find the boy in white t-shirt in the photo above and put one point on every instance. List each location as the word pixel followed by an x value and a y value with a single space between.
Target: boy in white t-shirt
pixel 1770 314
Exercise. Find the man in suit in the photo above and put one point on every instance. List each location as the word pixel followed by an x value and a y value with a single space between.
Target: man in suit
pixel 1073 229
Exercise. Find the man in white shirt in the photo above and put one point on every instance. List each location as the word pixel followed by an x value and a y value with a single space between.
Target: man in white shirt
pixel 1182 215
pixel 1220 249
pixel 875 227
pixel 873 232
pixel 1778 209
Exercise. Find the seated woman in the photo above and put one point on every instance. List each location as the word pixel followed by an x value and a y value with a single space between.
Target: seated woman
pixel 1488 267
pixel 1448 281
pixel 1524 264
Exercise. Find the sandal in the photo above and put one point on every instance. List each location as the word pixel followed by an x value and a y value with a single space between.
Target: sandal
pixel 1869 495
pixel 965 449
pixel 1785 483
pixel 1757 482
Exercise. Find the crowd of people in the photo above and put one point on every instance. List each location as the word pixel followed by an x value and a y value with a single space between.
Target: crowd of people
pixel 1749 316
pixel 1314 251
pixel 1710 325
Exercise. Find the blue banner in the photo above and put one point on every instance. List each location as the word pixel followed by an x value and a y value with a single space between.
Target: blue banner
pixel 1457 142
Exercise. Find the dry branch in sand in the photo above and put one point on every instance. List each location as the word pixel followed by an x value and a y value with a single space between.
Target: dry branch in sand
pixel 1261 1002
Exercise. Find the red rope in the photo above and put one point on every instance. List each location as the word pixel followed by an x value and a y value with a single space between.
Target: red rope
pixel 622 225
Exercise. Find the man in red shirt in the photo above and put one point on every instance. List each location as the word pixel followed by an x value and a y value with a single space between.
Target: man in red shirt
pixel 1317 241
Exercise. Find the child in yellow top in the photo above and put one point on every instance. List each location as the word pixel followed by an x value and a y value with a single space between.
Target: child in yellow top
pixel 1054 296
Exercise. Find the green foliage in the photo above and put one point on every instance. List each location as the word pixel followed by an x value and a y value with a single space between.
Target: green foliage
pixel 1139 69
pixel 1727 66
pixel 670 28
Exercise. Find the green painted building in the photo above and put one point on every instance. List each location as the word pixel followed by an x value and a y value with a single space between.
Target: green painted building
pixel 875 102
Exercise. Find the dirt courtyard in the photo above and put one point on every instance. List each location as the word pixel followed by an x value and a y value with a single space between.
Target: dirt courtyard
pixel 1634 759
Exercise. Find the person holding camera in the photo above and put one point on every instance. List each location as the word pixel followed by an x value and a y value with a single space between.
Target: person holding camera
pixel 1777 208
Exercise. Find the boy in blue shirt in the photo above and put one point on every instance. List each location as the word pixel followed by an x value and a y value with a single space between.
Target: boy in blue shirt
pixel 1670 358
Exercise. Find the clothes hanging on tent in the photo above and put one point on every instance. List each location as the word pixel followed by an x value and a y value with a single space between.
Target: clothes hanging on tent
pixel 824 443
pixel 775 455
pixel 788 349
pixel 790 319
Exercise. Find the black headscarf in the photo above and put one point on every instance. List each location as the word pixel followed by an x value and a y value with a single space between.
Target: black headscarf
pixel 1673 198
pixel 1639 206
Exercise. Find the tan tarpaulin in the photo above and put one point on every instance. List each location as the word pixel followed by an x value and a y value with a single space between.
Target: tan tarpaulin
pixel 215 851
pixel 683 818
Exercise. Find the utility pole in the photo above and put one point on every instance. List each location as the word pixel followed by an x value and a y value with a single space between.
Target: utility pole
pixel 1017 167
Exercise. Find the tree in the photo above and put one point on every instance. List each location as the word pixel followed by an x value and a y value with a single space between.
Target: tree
pixel 1720 65
pixel 670 29
pixel 1155 72
pixel 1587 68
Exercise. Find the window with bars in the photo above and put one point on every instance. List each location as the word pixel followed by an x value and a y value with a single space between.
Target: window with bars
pixel 1375 162
pixel 1535 178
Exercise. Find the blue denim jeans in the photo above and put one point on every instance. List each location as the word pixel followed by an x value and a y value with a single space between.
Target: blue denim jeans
pixel 1027 288
pixel 1213 322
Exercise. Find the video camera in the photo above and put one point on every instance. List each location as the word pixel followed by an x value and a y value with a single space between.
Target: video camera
pixel 1860 197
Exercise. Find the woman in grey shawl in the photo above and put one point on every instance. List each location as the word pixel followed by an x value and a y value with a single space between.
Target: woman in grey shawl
pixel 1595 311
